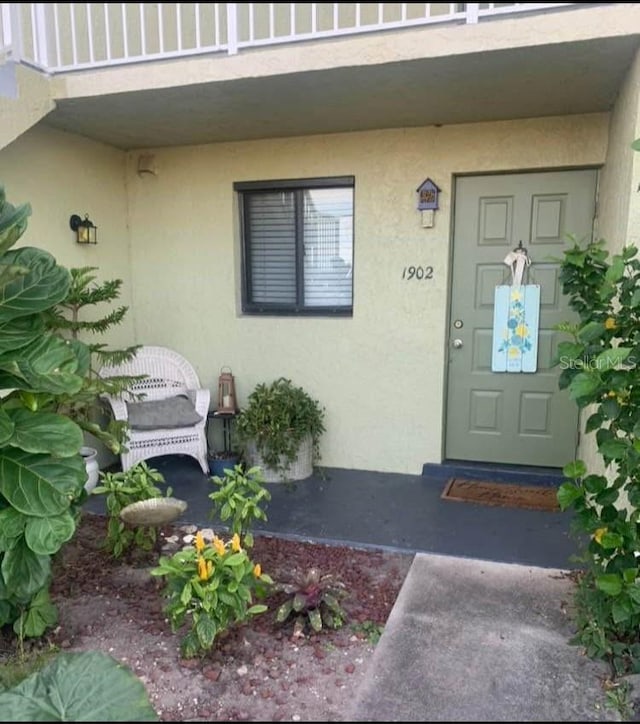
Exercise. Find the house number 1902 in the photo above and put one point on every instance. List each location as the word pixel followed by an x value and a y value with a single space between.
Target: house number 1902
pixel 417 272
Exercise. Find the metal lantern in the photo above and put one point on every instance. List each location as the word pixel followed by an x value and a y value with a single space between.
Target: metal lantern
pixel 226 392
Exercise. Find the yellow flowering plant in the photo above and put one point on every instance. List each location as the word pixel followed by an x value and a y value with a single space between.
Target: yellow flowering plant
pixel 601 372
pixel 213 586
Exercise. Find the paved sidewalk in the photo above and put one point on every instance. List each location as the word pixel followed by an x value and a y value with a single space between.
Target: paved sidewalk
pixel 472 640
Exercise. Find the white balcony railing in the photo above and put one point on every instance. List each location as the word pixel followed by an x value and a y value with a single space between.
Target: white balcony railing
pixel 60 37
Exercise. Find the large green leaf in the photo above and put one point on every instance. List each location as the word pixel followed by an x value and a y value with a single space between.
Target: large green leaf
pixel 564 380
pixel 583 384
pixel 82 354
pixel 45 432
pixel 595 484
pixel 621 610
pixel 12 525
pixel 608 496
pixel 19 333
pixel 4 594
pixel 633 590
pixel 614 448
pixel 610 514
pixel 6 611
pixel 568 351
pixel 575 256
pixel 24 571
pixel 46 535
pixel 44 285
pixel 615 272
pixel 236 559
pixel 566 495
pixel 611 540
pixel 88 686
pixel 206 631
pixel 13 222
pixel 610 583
pixel 591 331
pixel 47 365
pixel 611 358
pixel 40 616
pixel 575 469
pixel 610 409
pixel 6 427
pixel 10 273
pixel 40 485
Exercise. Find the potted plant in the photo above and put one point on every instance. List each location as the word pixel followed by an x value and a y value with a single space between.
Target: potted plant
pixel 281 426
pixel 221 460
pixel 227 457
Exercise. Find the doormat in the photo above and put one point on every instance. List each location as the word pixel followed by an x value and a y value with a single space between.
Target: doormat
pixel 534 497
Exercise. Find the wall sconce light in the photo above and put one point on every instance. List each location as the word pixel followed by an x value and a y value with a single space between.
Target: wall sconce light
pixel 86 230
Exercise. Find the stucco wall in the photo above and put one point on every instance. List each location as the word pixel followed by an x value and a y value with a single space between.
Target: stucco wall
pixel 380 374
pixel 618 219
pixel 25 97
pixel 619 208
pixel 61 174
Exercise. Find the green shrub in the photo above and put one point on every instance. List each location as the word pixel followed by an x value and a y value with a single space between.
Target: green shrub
pixel 601 371
pixel 239 498
pixel 121 489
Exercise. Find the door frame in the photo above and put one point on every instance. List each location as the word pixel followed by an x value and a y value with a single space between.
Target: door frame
pixel 452 230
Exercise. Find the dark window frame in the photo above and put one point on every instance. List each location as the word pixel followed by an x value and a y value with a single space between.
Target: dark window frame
pixel 243 189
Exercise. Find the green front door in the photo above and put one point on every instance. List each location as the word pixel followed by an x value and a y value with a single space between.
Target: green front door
pixel 517 418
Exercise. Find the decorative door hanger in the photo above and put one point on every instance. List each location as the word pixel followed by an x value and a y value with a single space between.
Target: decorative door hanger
pixel 516 316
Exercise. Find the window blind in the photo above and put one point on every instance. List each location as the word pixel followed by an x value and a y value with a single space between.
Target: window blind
pixel 298 246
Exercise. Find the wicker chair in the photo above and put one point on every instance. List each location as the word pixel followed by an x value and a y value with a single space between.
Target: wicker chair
pixel 170 380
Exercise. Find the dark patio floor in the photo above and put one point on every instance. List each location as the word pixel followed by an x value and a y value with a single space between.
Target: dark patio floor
pixel 385 510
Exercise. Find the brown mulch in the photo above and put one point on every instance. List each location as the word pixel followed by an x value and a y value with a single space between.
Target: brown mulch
pixel 260 671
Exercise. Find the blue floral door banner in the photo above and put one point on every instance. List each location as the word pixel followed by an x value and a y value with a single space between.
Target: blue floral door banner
pixel 516 315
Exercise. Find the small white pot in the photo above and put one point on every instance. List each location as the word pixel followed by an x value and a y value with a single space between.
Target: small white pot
pixel 90 455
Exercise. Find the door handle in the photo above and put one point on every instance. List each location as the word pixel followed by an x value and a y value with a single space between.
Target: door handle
pixel 457 343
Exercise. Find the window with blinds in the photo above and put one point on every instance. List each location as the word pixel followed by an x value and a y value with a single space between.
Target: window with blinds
pixel 297 246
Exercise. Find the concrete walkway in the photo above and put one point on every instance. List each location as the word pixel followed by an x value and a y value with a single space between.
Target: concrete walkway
pixel 385 510
pixel 472 640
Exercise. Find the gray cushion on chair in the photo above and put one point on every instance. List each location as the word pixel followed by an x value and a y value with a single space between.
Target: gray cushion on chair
pixel 156 414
